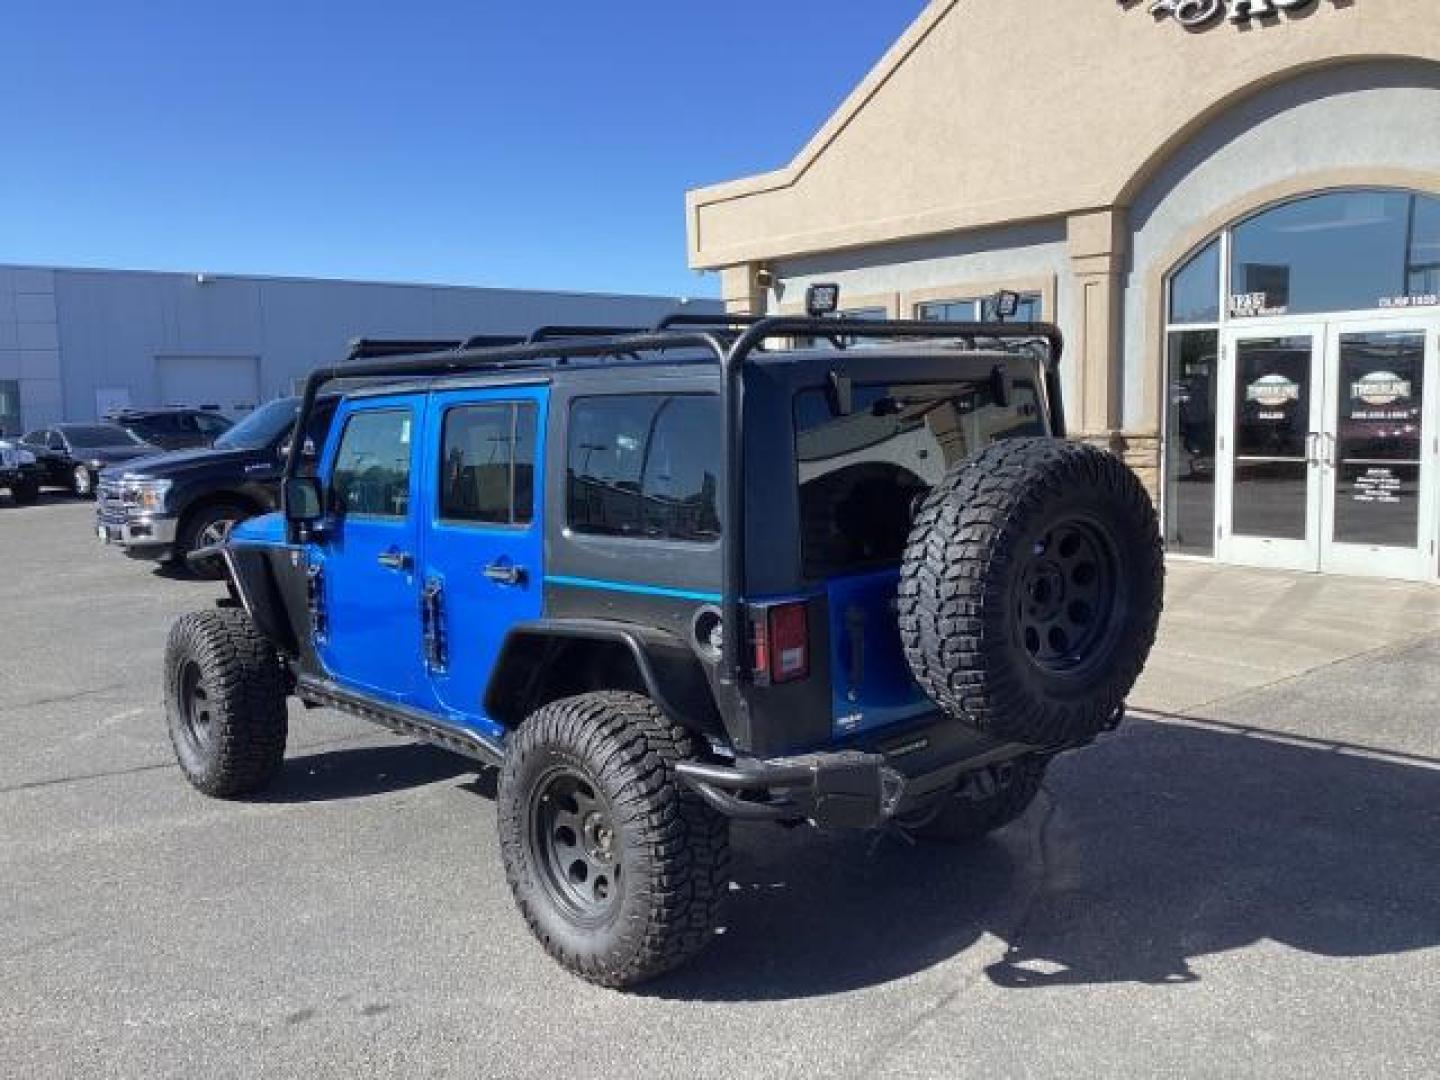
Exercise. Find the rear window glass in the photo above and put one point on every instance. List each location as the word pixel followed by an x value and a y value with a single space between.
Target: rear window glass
pixel 645 465
pixel 862 475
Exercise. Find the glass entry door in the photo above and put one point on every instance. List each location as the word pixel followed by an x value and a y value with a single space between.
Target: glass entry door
pixel 1378 451
pixel 1271 410
pixel 1328 447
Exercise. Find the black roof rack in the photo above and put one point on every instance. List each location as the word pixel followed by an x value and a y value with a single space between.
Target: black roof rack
pixel 489 341
pixel 721 321
pixel 570 333
pixel 371 348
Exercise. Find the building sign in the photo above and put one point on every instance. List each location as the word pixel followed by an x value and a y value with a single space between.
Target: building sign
pixel 1196 14
pixel 1256 303
pixel 1272 395
pixel 1380 388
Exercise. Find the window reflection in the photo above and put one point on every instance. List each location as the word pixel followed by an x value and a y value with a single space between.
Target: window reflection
pixel 1190 445
pixel 1342 251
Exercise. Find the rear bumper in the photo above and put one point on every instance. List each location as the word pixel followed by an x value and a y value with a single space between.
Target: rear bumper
pixel 862 785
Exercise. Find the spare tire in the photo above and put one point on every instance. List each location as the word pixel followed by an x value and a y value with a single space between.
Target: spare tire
pixel 1031 590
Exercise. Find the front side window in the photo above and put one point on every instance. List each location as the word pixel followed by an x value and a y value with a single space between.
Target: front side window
pixel 488 464
pixel 645 466
pixel 97 436
pixel 862 474
pixel 371 477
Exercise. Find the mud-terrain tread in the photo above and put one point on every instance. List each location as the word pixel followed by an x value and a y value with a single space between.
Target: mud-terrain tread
pixel 632 749
pixel 242 674
pixel 964 818
pixel 953 615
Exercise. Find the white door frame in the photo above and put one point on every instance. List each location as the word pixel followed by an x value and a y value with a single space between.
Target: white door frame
pixel 1271 552
pixel 1418 563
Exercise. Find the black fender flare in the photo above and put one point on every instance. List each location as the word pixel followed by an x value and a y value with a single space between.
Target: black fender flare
pixel 252 585
pixel 670 672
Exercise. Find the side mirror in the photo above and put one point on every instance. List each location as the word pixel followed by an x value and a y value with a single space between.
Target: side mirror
pixel 300 498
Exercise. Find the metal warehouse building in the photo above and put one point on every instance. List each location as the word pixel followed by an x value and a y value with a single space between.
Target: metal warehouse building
pixel 1231 207
pixel 75 343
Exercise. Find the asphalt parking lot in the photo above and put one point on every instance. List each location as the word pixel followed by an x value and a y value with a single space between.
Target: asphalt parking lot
pixel 1193 896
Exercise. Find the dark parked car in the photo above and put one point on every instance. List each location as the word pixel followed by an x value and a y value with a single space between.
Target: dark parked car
pixel 19 473
pixel 71 456
pixel 166 506
pixel 173 429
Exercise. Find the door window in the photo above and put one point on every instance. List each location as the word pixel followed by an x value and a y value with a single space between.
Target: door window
pixel 371 477
pixel 1272 442
pixel 1378 446
pixel 488 464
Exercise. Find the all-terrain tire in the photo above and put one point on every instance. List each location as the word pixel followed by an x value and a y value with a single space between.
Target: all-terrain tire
pixel 986 802
pixel 1031 590
pixel 205 526
pixel 225 703
pixel 661 901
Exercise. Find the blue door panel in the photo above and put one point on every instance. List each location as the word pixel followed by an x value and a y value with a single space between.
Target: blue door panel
pixel 369 554
pixel 478 608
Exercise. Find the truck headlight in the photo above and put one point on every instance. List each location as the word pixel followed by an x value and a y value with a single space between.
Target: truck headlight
pixel 146 495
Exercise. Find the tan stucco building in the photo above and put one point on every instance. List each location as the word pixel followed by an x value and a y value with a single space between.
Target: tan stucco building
pixel 1231 208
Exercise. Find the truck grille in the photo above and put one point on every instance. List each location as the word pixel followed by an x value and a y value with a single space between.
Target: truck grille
pixel 109 507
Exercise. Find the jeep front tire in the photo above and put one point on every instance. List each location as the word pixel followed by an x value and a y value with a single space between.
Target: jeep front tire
pixel 617 866
pixel 225 703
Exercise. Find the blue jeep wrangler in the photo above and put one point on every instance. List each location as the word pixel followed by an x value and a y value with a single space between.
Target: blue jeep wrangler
pixel 792 570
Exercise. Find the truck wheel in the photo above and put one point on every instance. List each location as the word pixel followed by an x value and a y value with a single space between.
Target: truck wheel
pixel 225 702
pixel 206 526
pixel 82 483
pixel 987 801
pixel 616 865
pixel 1031 590
pixel 26 492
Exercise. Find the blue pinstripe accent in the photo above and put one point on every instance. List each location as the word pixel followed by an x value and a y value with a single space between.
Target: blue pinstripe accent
pixel 625 586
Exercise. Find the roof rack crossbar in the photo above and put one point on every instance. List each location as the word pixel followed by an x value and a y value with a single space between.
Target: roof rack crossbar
pixel 564 333
pixel 366 348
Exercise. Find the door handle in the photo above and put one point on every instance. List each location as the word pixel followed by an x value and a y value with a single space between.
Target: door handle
pixel 505 573
pixel 1312 448
pixel 394 560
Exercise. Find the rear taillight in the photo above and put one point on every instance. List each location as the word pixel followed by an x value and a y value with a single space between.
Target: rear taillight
pixel 781 635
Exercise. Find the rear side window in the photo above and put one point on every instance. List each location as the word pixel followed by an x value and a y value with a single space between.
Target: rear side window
pixel 488 464
pixel 372 466
pixel 646 466
pixel 862 474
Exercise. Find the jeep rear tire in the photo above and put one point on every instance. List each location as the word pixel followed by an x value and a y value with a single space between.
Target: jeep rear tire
pixel 225 703
pixel 989 800
pixel 617 866
pixel 1031 590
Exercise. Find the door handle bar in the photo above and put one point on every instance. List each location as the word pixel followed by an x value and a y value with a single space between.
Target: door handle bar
pixel 505 573
pixel 394 560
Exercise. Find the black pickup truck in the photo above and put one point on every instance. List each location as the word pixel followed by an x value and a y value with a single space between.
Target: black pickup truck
pixel 165 506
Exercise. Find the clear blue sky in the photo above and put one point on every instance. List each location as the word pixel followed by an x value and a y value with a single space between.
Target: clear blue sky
pixel 543 145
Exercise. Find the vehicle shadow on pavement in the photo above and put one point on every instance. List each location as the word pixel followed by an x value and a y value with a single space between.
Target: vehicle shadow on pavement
pixel 357 771
pixel 1161 845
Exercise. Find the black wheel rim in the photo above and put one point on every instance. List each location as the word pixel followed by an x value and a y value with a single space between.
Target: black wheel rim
pixel 1066 596
pixel 196 709
pixel 575 845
